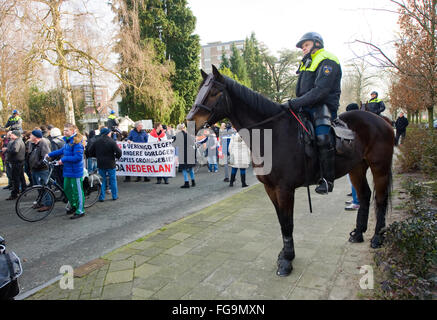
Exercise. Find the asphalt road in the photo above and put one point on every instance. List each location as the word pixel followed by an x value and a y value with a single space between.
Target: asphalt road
pixel 142 208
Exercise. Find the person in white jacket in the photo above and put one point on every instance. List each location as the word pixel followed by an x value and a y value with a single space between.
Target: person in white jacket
pixel 239 159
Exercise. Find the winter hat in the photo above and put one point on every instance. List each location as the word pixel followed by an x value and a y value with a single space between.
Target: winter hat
pixel 55 132
pixel 104 131
pixel 37 133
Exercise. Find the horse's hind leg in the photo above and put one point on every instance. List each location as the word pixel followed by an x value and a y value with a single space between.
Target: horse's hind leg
pixel 382 180
pixel 283 200
pixel 359 181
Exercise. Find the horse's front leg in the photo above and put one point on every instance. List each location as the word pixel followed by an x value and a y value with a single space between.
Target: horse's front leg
pixel 283 200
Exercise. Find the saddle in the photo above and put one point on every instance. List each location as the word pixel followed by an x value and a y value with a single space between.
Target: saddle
pixel 344 137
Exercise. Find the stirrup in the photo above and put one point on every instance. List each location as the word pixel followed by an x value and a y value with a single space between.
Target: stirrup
pixel 326 184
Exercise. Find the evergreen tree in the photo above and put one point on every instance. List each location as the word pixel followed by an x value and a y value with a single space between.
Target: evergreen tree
pixel 257 71
pixel 168 26
pixel 225 63
pixel 238 66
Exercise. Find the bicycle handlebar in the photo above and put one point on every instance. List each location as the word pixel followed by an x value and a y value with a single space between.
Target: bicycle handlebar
pixel 51 163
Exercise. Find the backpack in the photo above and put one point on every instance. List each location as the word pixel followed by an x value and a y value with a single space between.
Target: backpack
pixel 10 270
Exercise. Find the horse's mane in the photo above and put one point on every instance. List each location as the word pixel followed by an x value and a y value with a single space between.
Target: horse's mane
pixel 253 99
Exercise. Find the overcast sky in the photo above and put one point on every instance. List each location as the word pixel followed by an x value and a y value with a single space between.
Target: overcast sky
pixel 280 23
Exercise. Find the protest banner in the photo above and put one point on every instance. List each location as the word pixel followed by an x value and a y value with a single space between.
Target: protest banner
pixel 156 159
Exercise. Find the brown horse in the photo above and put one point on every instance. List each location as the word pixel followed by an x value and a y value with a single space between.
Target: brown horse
pixel 221 97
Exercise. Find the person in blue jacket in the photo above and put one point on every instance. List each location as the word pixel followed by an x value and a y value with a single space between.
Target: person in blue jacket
pixel 137 134
pixel 72 159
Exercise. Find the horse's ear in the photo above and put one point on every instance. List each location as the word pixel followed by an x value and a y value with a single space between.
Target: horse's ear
pixel 217 74
pixel 204 74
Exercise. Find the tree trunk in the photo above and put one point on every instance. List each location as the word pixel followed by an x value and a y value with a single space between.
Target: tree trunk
pixel 67 95
pixel 430 117
pixel 61 61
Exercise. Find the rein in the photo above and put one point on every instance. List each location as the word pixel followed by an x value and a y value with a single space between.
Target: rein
pixel 267 120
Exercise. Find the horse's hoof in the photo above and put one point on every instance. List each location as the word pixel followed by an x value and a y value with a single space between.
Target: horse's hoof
pixel 356 237
pixel 284 268
pixel 376 242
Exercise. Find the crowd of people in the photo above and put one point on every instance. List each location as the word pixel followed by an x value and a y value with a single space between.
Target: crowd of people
pixel 25 153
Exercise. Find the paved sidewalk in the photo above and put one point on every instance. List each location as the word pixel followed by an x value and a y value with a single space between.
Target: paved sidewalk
pixel 228 251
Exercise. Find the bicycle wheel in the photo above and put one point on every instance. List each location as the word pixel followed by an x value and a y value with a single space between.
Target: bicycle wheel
pixel 92 190
pixel 30 203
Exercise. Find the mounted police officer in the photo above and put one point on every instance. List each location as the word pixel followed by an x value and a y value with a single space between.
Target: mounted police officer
pixel 375 105
pixel 15 121
pixel 318 93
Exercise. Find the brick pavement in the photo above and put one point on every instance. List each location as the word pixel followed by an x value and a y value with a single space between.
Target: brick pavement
pixel 228 251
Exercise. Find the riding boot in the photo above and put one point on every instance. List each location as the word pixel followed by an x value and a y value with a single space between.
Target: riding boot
pixel 243 180
pixel 327 165
pixel 231 183
pixel 193 183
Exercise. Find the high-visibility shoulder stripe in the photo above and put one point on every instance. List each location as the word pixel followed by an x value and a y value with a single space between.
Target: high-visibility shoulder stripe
pixel 376 100
pixel 317 58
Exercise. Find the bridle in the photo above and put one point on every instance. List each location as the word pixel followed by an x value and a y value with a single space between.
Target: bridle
pixel 216 113
pixel 203 94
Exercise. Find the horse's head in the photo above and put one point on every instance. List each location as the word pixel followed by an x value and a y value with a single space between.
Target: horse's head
pixel 212 102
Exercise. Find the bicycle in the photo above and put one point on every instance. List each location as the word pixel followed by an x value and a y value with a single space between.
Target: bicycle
pixel 30 201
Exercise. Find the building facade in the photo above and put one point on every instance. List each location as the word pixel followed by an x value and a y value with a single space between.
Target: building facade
pixel 211 54
pixel 92 120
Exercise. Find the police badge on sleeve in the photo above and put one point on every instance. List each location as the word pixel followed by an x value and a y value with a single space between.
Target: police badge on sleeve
pixel 327 70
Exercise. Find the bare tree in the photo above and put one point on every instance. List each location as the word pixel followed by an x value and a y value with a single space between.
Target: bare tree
pixel 50 20
pixel 356 81
pixel 416 61
pixel 283 73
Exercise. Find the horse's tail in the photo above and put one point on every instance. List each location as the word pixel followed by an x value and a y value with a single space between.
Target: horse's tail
pixel 389 189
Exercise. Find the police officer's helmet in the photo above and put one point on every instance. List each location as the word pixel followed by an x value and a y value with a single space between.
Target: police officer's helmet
pixel 314 36
pixel 374 92
pixel 112 112
pixel 15 111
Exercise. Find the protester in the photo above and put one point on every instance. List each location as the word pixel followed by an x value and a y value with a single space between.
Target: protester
pixel 91 161
pixel 73 169
pixel 239 159
pixel 401 128
pixel 6 163
pixel 106 150
pixel 16 154
pixel 137 135
pixel 157 135
pixel 124 135
pixel 28 149
pixel 56 143
pixel 226 133
pixel 188 154
pixel 211 146
pixel 40 171
pixel 45 131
